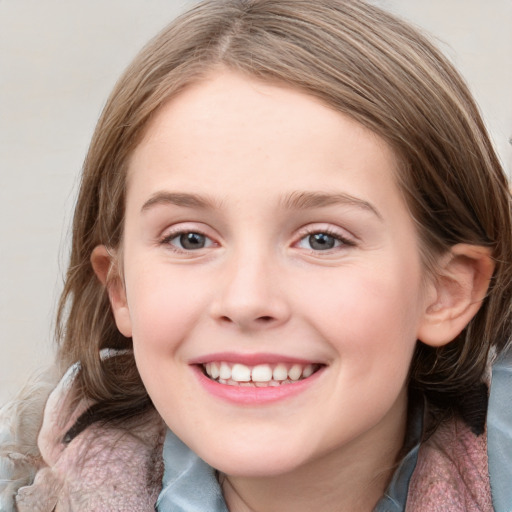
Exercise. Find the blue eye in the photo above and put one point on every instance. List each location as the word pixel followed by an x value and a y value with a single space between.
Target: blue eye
pixel 322 241
pixel 188 241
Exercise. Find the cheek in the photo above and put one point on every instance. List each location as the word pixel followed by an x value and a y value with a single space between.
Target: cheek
pixel 365 299
pixel 370 317
pixel 162 310
pixel 163 318
pixel 371 323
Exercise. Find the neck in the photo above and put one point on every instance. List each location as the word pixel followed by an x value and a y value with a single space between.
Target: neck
pixel 352 478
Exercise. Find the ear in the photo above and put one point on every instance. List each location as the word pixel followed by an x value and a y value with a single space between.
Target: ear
pixel 456 293
pixel 105 267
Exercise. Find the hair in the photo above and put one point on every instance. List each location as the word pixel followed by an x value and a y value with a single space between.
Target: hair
pixel 364 63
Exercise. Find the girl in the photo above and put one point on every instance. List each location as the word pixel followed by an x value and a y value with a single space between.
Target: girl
pixel 290 276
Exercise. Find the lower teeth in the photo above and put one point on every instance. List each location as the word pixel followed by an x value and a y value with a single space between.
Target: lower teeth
pixel 271 383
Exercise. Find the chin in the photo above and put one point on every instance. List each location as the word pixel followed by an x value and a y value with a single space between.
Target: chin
pixel 253 463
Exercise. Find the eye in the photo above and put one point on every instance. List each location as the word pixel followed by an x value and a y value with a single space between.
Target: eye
pixel 323 241
pixel 188 241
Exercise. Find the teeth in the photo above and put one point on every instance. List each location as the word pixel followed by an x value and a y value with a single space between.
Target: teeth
pixel 295 372
pixel 214 371
pixel 225 371
pixel 307 372
pixel 240 373
pixel 261 375
pixel 280 372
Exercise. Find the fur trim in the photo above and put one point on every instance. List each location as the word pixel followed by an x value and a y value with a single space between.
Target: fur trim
pixel 20 421
pixel 105 468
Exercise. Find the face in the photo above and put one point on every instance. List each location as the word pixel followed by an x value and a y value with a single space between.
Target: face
pixel 272 279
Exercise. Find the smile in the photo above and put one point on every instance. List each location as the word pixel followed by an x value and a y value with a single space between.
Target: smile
pixel 261 375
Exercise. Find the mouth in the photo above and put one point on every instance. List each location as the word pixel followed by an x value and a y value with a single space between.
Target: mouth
pixel 258 376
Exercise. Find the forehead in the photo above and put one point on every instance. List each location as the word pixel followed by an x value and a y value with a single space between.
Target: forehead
pixel 230 132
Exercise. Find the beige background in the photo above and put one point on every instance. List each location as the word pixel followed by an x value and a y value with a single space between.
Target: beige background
pixel 58 62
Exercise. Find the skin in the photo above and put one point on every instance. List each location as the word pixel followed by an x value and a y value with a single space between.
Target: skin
pixel 259 287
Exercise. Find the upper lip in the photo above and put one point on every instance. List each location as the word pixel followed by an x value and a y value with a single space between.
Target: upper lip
pixel 251 359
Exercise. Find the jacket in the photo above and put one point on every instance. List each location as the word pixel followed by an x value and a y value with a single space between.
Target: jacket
pixel 145 467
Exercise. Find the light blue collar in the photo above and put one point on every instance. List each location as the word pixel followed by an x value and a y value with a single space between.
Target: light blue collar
pixel 395 497
pixel 189 484
pixel 499 434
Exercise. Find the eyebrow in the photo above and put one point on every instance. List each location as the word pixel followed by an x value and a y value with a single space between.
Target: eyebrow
pixel 180 199
pixel 310 200
pixel 292 201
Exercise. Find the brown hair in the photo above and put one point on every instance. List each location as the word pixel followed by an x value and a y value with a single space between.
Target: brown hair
pixel 357 59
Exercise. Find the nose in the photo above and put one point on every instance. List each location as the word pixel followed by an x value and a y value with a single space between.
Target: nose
pixel 251 294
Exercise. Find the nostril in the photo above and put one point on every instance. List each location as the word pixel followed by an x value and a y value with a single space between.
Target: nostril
pixel 264 319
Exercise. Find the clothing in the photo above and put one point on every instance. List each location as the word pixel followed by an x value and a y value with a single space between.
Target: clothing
pixel 120 469
pixel 124 468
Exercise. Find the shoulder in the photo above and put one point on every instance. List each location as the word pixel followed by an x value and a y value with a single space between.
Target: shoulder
pixel 458 470
pixel 104 468
pixel 20 421
pixel 452 473
pixel 499 438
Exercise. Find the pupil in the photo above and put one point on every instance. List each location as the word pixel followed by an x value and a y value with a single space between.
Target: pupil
pixel 192 240
pixel 321 241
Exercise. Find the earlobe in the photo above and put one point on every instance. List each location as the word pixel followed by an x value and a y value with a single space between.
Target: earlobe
pixel 456 294
pixel 105 267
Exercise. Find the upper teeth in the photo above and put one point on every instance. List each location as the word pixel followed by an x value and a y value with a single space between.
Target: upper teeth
pixel 260 373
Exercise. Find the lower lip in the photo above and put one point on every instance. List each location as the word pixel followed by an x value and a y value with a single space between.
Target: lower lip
pixel 252 395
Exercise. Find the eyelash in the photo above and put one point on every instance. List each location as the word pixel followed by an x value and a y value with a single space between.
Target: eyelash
pixel 305 234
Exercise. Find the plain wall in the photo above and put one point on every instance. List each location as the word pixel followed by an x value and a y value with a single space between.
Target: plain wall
pixel 58 62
